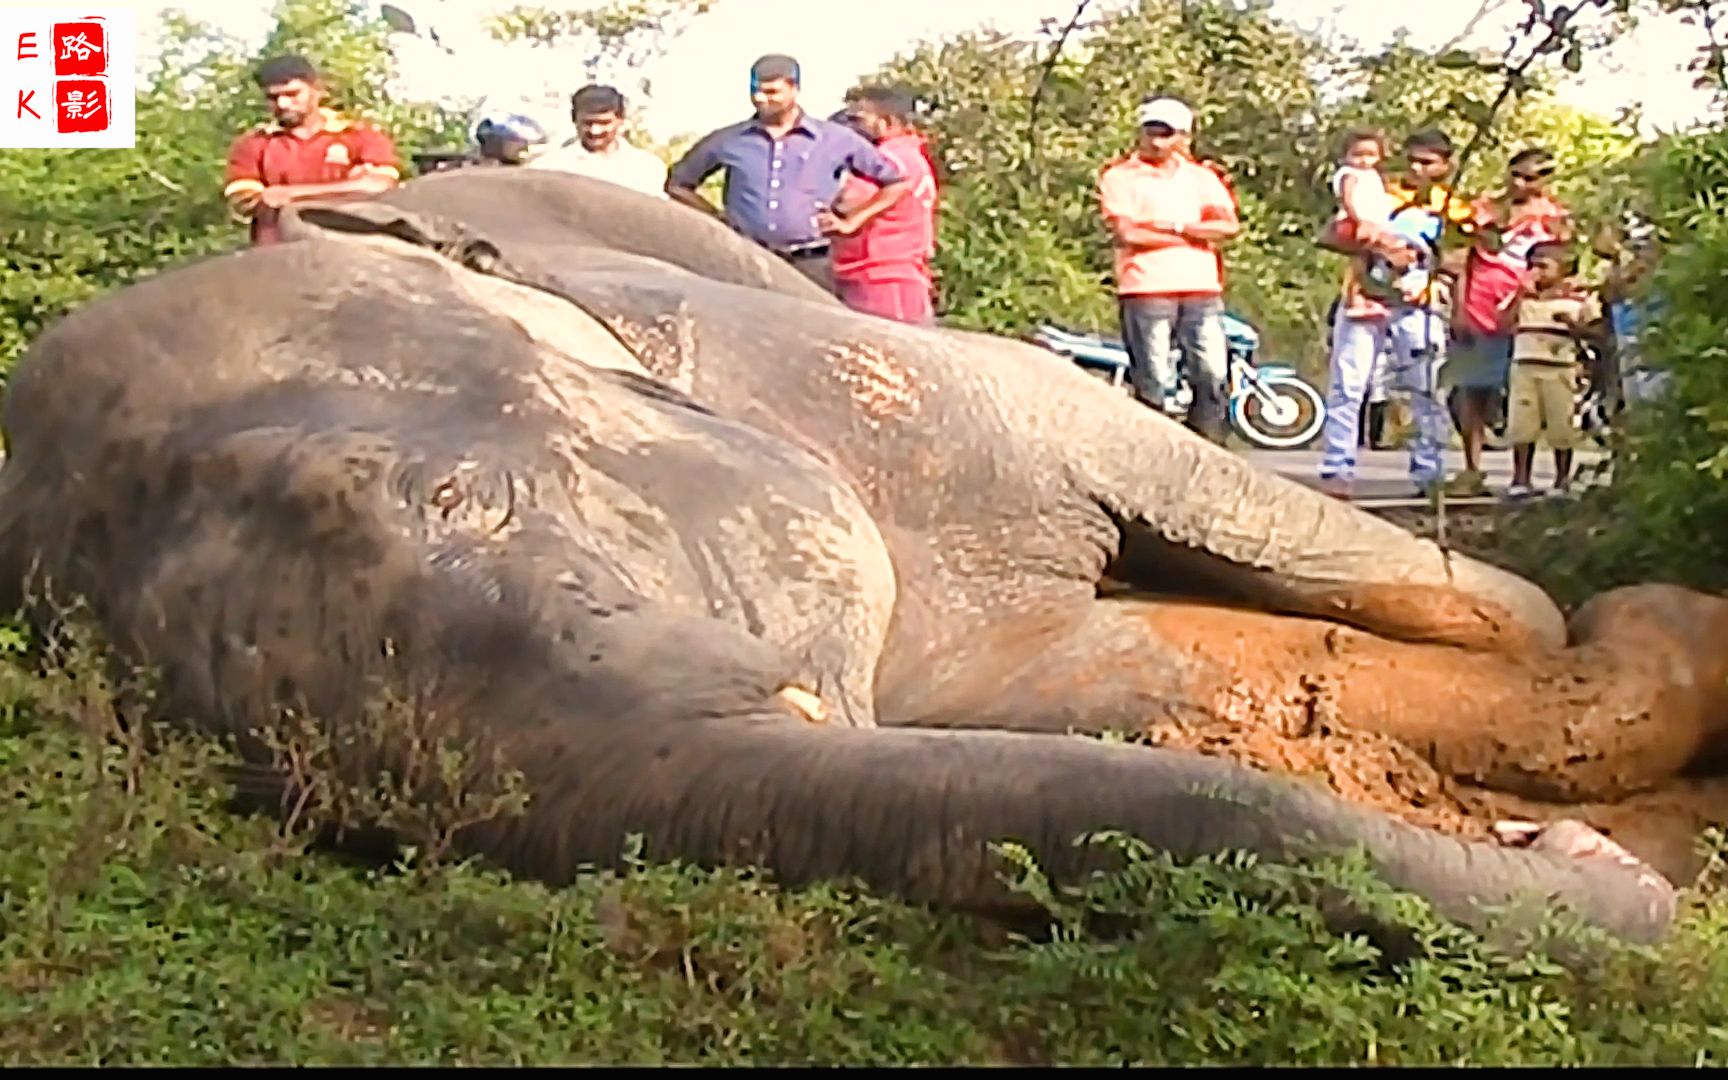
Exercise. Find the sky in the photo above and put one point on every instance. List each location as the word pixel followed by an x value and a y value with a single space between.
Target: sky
pixel 701 81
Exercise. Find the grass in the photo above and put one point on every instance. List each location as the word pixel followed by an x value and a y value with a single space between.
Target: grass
pixel 145 923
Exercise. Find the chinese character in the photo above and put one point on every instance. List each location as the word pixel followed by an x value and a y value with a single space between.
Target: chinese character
pixel 77 107
pixel 69 76
pixel 80 48
pixel 77 46
pixel 80 106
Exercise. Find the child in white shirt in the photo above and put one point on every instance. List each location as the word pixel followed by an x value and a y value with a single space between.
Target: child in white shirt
pixel 1363 223
pixel 1364 205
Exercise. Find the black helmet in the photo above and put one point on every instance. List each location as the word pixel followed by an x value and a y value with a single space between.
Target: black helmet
pixel 508 136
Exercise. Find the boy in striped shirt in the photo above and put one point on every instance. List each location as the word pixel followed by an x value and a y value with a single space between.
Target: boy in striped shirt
pixel 1548 317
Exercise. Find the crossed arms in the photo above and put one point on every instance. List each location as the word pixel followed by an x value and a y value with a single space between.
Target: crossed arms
pixel 373 172
pixel 1216 224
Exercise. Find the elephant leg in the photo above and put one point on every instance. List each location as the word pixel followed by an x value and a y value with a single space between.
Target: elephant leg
pixel 1197 519
pixel 1639 699
pixel 1441 613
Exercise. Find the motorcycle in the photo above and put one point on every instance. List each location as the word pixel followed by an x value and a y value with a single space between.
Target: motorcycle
pixel 1270 405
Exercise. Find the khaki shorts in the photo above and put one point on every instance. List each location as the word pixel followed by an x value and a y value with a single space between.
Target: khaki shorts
pixel 1541 403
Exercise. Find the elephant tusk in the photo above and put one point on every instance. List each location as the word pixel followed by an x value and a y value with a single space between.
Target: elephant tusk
pixel 1574 839
pixel 803 702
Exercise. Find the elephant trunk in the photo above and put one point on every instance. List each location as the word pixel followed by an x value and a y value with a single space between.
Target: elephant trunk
pixel 911 812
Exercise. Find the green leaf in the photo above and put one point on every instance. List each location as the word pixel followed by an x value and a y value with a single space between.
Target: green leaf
pixel 1457 59
pixel 397 19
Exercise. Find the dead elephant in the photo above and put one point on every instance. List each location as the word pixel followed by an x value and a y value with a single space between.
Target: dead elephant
pixel 714 560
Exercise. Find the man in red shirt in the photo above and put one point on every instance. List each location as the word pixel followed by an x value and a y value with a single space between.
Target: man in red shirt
pixel 882 260
pixel 305 152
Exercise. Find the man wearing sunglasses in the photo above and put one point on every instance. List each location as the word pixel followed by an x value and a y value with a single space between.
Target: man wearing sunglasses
pixel 1531 210
pixel 1168 215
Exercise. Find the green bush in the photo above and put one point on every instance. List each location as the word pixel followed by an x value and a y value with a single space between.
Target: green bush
pixel 1664 512
pixel 1020 238
pixel 79 223
pixel 144 923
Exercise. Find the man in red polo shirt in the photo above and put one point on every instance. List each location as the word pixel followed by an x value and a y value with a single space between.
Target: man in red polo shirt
pixel 305 152
pixel 882 261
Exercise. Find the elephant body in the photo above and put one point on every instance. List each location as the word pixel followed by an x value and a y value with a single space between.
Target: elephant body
pixel 712 559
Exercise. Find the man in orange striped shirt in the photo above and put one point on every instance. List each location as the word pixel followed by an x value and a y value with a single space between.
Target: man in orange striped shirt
pixel 1168 214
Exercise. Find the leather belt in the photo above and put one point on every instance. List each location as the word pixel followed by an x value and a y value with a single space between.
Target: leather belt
pixel 814 247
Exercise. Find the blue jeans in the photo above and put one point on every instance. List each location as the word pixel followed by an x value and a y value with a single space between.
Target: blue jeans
pixel 1150 325
pixel 1418 340
pixel 1479 362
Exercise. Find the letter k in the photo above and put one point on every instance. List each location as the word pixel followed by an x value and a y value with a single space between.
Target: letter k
pixel 24 105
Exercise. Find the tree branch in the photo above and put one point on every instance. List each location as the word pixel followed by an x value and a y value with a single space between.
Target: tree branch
pixel 1033 158
pixel 1487 8
pixel 1558 24
pixel 1714 61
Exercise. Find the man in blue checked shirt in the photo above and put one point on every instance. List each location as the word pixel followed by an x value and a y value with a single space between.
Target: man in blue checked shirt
pixel 784 168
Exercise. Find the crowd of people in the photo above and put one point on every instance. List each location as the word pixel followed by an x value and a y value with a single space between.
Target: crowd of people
pixel 1504 324
pixel 850 200
pixel 1496 326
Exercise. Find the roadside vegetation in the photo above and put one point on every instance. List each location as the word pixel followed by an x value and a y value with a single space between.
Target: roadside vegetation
pixel 146 919
pixel 1663 515
pixel 147 922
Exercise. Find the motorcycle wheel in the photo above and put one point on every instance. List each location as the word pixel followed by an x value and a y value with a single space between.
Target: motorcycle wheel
pixel 1292 419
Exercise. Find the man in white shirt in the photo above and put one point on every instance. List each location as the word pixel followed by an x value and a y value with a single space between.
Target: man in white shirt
pixel 599 149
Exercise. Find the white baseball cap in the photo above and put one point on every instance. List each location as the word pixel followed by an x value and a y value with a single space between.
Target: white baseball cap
pixel 1167 111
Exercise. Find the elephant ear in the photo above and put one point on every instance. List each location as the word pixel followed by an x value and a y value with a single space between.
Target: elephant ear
pixel 447 237
pixel 662 353
pixel 527 209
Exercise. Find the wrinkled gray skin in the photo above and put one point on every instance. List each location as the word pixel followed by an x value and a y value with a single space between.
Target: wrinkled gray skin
pixel 259 467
